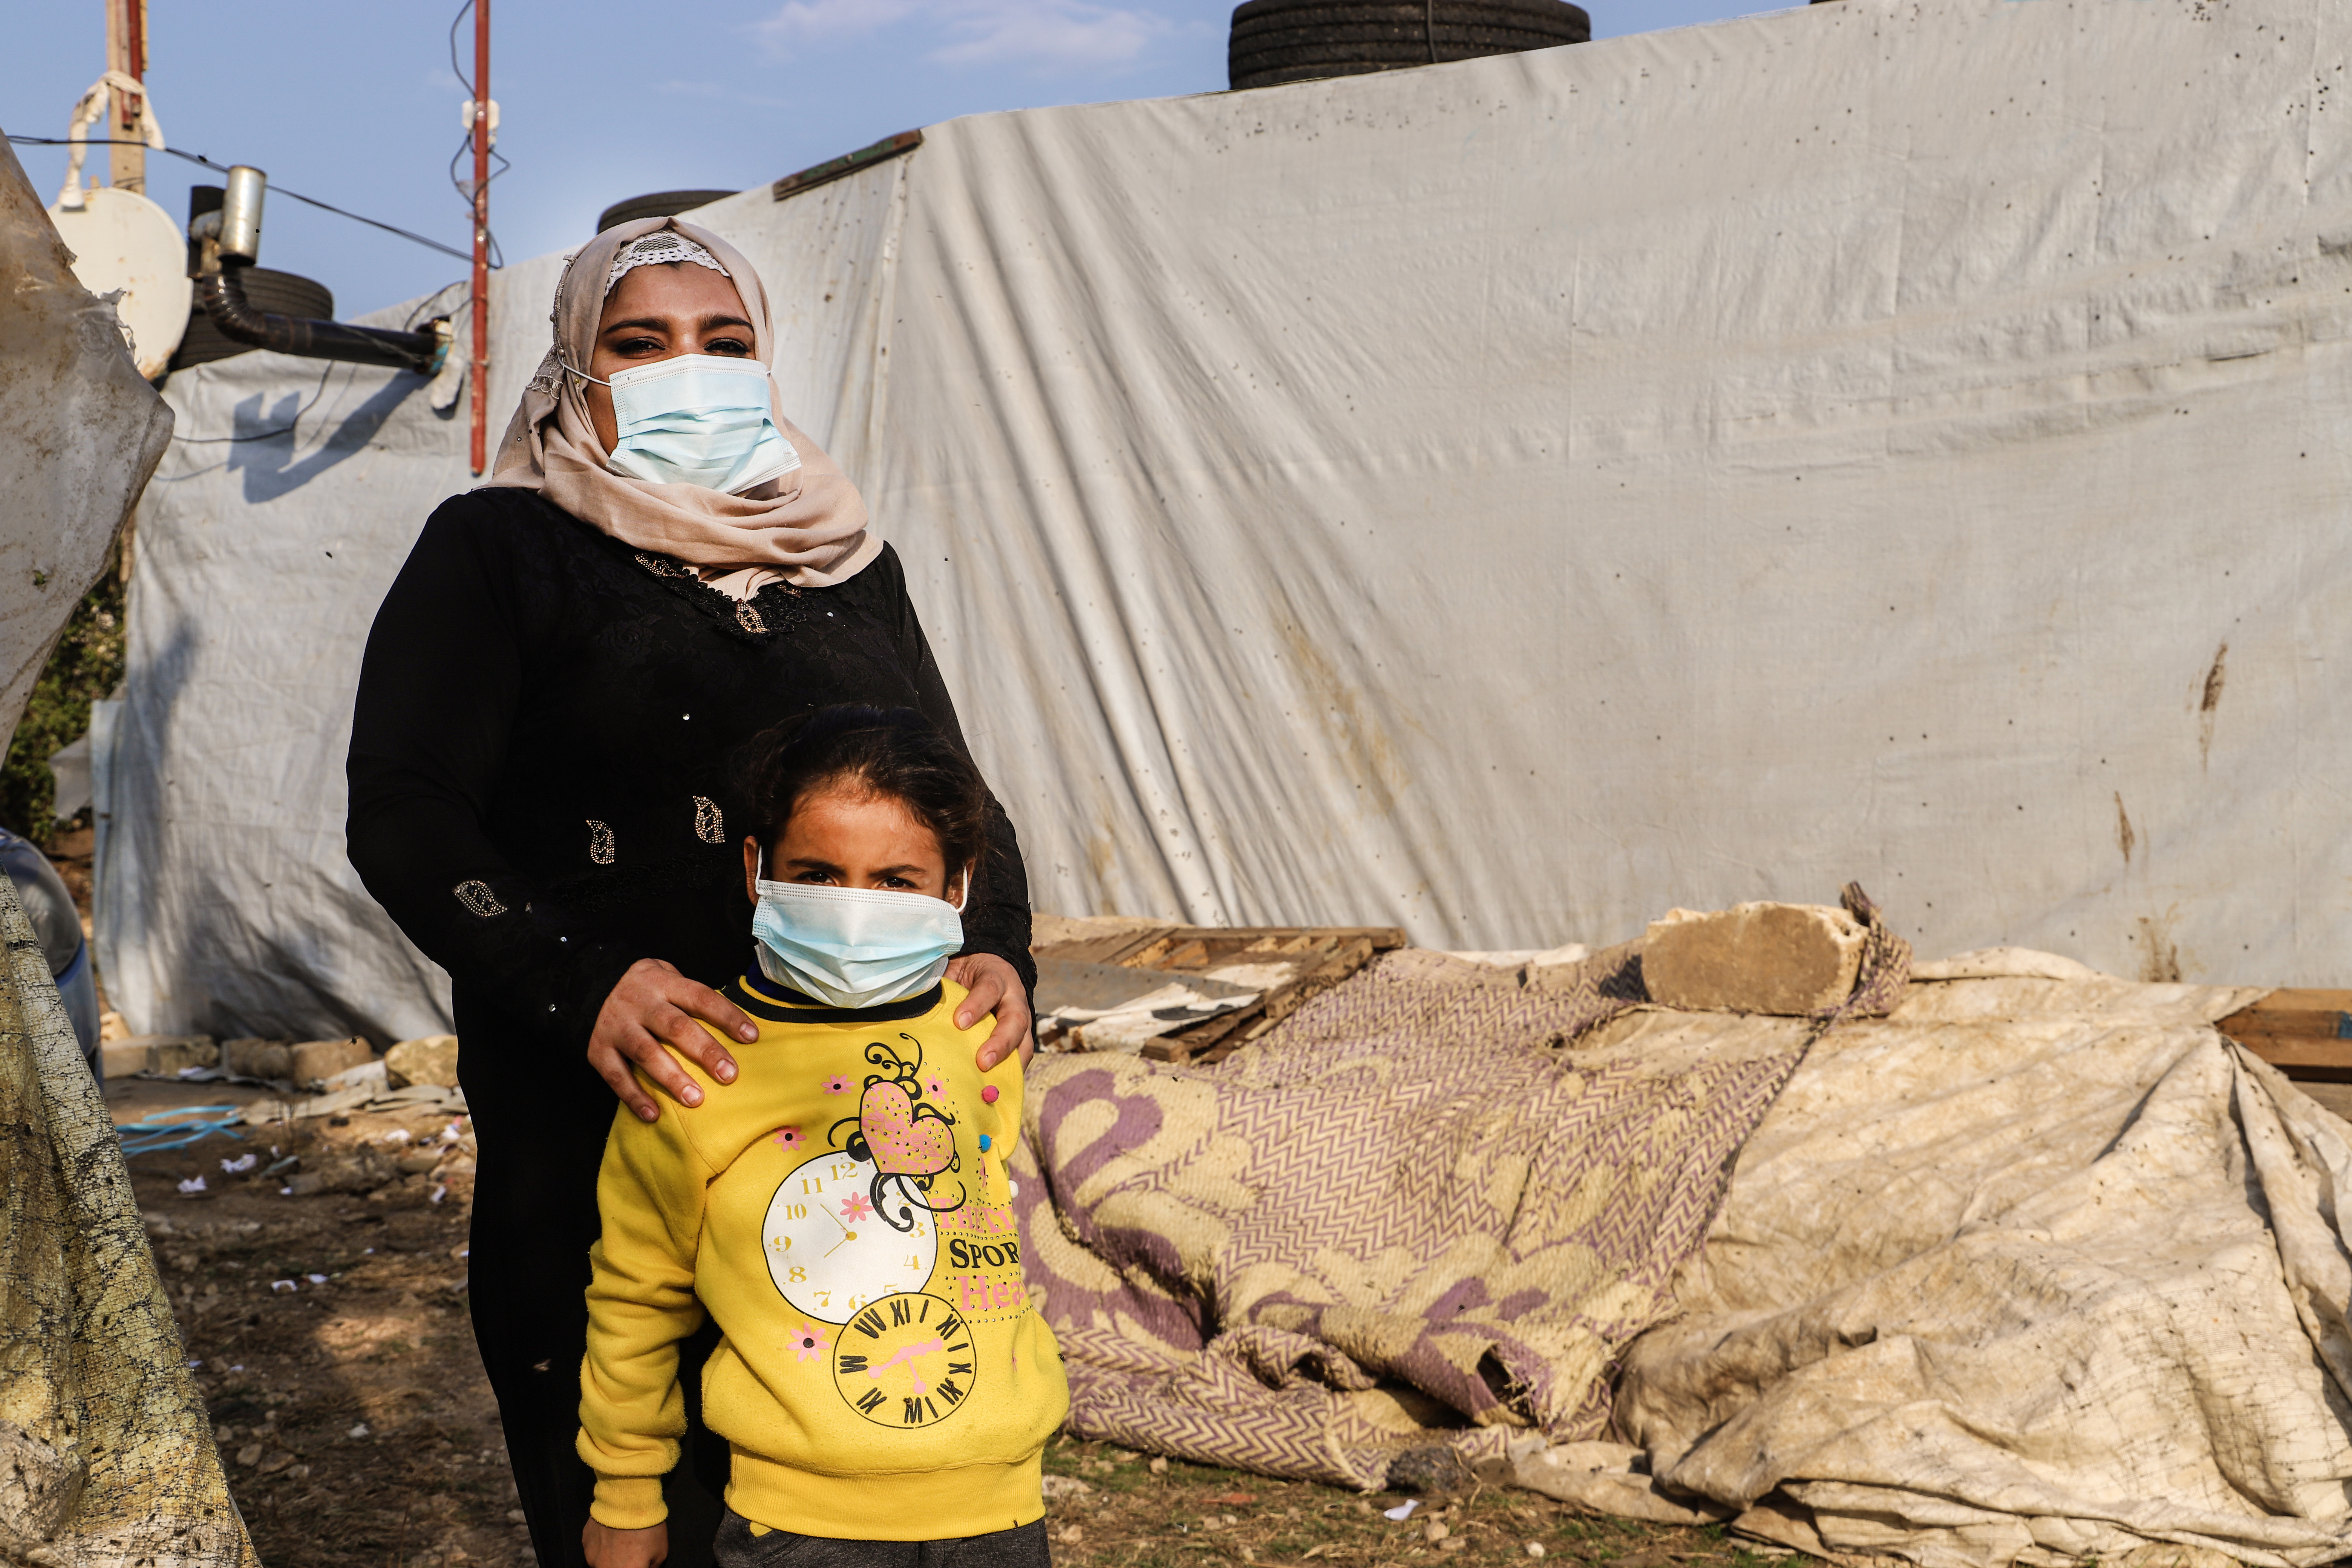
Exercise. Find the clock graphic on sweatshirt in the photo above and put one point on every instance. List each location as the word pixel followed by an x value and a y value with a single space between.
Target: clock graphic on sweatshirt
pixel 906 1361
pixel 827 1250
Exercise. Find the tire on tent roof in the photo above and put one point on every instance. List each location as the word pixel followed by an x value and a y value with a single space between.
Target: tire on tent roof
pixel 1274 41
pixel 661 203
pixel 277 293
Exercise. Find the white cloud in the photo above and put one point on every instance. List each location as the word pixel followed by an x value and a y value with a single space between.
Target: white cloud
pixel 823 21
pixel 1045 35
pixel 1054 35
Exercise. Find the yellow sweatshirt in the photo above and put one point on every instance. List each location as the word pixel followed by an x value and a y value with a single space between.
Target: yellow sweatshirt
pixel 843 1211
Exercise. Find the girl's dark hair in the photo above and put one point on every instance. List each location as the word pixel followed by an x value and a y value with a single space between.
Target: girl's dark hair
pixel 890 752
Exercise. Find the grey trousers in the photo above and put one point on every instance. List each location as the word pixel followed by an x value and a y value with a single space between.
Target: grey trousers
pixel 737 1547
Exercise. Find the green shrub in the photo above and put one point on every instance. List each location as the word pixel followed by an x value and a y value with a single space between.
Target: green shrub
pixel 86 664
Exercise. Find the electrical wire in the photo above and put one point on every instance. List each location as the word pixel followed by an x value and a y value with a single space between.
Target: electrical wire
pixel 432 301
pixel 275 189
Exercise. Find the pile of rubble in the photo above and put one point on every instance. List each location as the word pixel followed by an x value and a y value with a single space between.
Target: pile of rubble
pixel 309 1078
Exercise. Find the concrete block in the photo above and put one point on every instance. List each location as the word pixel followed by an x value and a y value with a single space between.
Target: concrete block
pixel 126 1058
pixel 251 1058
pixel 166 1054
pixel 430 1059
pixel 315 1061
pixel 1792 960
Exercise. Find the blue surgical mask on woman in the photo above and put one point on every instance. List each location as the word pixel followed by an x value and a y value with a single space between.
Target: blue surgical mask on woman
pixel 698 419
pixel 854 947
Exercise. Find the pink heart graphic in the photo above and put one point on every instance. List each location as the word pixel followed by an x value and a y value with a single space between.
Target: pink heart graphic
pixel 902 1146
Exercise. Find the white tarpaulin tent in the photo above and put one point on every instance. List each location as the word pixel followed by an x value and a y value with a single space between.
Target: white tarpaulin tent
pixel 79 432
pixel 1506 498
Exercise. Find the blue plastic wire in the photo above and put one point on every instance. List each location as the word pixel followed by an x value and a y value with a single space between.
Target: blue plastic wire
pixel 159 1132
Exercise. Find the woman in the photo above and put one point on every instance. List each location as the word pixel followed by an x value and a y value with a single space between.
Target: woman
pixel 661 567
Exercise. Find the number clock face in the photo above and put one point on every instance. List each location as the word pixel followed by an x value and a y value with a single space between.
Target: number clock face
pixel 906 1361
pixel 829 1252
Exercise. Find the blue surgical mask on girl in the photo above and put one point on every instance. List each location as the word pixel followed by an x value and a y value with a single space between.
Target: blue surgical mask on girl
pixel 698 419
pixel 854 947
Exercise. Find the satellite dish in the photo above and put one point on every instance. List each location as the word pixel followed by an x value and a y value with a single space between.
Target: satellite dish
pixel 122 240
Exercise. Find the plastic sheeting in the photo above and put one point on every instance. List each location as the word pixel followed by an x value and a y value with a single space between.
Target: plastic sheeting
pixel 1505 499
pixel 106 1448
pixel 2035 1270
pixel 78 433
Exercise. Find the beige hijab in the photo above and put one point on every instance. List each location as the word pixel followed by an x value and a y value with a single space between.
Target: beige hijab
pixel 808 528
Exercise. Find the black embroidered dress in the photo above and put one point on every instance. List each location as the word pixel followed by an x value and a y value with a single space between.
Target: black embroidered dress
pixel 540 798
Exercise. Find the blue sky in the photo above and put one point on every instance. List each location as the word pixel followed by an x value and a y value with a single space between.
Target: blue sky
pixel 599 100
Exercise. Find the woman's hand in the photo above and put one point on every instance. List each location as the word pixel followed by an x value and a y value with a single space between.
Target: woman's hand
pixel 654 1004
pixel 995 986
pixel 609 1548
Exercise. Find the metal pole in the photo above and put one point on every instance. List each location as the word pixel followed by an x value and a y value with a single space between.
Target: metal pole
pixel 480 390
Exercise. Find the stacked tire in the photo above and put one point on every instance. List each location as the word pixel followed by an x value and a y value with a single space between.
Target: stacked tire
pixel 275 293
pixel 1274 41
pixel 661 203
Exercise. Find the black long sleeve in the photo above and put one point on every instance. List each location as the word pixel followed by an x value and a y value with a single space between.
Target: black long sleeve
pixel 538 769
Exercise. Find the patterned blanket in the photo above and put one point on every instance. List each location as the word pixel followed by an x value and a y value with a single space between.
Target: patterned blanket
pixel 1431 1205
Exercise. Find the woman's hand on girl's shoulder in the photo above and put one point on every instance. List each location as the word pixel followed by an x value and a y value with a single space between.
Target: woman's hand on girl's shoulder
pixel 995 986
pixel 605 1547
pixel 654 1007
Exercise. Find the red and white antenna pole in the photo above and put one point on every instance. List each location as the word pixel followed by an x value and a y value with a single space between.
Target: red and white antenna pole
pixel 480 389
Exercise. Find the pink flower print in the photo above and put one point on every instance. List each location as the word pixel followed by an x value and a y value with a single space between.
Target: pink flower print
pixel 811 1340
pixel 786 1138
pixel 836 1084
pixel 936 1084
pixel 856 1207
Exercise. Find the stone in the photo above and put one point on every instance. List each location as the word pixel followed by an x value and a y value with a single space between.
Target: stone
pixel 1432 1471
pixel 167 1055
pixel 429 1059
pixel 361 1171
pixel 370 1075
pixel 314 1061
pixel 1789 959
pixel 252 1057
pixel 1062 1489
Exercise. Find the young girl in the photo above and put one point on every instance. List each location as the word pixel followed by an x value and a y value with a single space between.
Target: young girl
pixel 843 1211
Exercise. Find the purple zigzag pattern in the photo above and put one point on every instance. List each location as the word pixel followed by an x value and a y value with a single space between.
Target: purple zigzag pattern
pixel 1374 1172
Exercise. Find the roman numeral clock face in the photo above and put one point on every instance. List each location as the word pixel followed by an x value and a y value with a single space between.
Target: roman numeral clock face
pixel 906 1361
pixel 829 1248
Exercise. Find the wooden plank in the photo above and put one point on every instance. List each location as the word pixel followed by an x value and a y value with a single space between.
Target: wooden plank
pixel 1339 966
pixel 2305 1033
pixel 2311 1061
pixel 1325 956
pixel 848 164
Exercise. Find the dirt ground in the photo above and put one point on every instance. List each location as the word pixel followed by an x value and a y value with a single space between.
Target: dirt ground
pixel 358 1431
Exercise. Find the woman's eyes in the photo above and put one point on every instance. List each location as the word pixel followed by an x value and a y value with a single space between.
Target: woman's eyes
pixel 638 347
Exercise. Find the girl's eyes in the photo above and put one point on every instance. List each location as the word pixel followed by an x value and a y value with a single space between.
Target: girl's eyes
pixel 638 346
pixel 726 346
